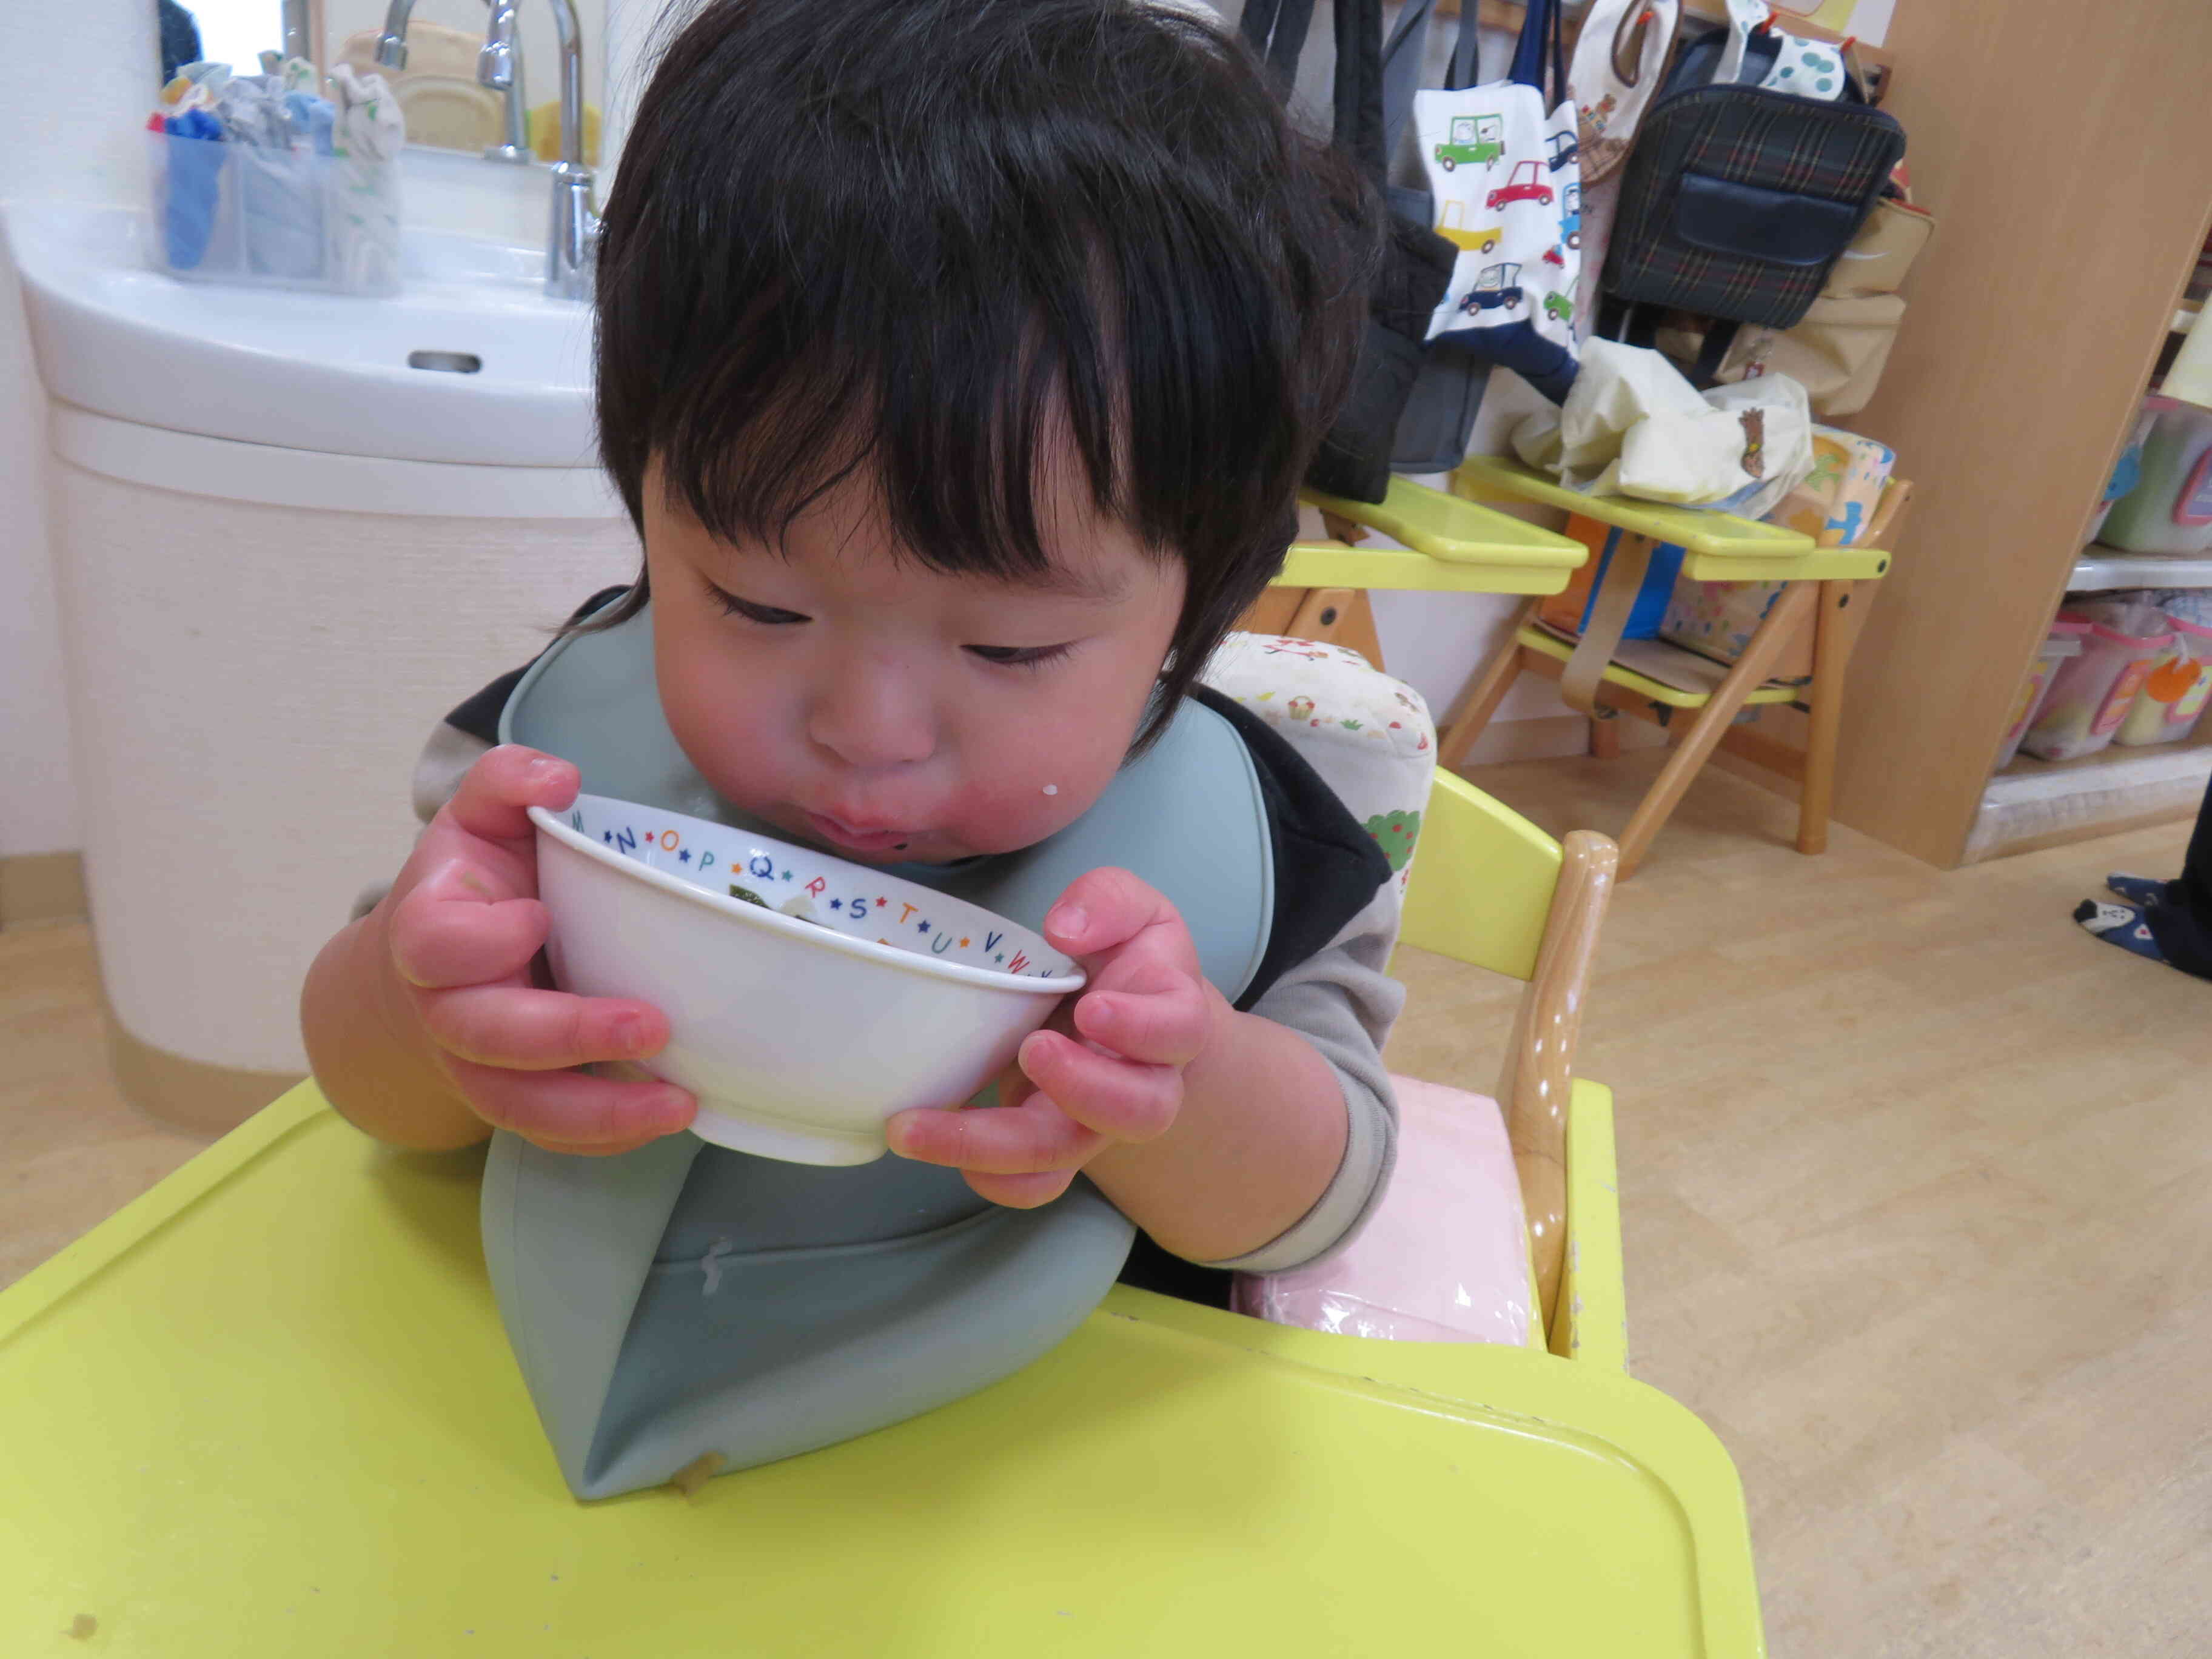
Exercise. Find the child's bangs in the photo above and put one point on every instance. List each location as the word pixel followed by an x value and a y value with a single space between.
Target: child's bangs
pixel 950 247
pixel 977 418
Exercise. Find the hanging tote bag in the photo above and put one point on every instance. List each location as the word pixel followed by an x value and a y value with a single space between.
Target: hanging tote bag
pixel 1502 165
pixel 1439 415
pixel 1741 196
pixel 1354 458
pixel 1839 347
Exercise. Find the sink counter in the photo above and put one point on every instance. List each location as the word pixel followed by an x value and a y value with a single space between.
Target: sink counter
pixel 312 371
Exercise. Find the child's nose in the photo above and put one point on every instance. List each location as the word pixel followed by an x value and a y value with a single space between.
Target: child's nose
pixel 867 717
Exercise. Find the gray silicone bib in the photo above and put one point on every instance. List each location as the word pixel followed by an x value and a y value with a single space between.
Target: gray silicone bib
pixel 685 1299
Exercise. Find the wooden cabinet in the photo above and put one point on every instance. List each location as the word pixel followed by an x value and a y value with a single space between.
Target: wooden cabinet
pixel 2066 152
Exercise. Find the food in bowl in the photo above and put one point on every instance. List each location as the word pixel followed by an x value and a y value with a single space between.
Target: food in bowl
pixel 808 998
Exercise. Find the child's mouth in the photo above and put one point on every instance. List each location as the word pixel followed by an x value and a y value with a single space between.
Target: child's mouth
pixel 856 840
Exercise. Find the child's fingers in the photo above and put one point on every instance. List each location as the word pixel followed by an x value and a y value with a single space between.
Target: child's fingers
pixel 1121 1099
pixel 443 932
pixel 1026 1139
pixel 1168 1027
pixel 496 796
pixel 573 1111
pixel 1020 1192
pixel 523 1029
pixel 1107 907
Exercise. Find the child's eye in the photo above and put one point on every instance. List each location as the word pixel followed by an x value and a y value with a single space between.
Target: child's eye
pixel 767 615
pixel 1021 656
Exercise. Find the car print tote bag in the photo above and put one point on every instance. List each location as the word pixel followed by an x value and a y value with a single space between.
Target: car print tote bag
pixel 1502 165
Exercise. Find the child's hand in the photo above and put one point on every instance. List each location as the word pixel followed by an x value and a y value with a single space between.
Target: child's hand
pixel 462 926
pixel 1147 1013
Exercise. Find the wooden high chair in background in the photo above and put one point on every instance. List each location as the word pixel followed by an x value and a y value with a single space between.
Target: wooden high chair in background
pixel 1448 545
pixel 1825 592
pixel 270 1409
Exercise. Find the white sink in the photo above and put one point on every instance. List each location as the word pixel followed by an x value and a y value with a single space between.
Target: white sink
pixel 312 371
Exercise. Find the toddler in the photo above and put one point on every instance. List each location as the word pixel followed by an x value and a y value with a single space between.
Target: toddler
pixel 957 362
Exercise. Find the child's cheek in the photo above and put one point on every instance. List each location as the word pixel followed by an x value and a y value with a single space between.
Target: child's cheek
pixel 1006 815
pixel 1027 797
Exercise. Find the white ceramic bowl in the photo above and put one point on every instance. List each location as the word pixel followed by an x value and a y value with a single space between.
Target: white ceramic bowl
pixel 799 1036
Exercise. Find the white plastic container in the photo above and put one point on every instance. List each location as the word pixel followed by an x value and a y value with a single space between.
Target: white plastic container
pixel 2170 510
pixel 222 212
pixel 2063 644
pixel 2091 694
pixel 2127 472
pixel 2174 692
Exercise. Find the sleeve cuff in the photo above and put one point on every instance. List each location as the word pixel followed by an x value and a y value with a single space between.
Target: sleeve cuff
pixel 1370 1149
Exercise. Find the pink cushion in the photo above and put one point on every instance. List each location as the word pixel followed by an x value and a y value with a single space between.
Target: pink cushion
pixel 1444 1258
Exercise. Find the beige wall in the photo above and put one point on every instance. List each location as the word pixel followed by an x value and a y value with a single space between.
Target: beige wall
pixel 72 133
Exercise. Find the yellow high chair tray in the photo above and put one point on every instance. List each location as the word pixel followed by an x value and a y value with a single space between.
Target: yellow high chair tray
pixel 269 1409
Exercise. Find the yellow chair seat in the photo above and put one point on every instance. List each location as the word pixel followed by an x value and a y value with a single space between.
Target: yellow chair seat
pixel 1643 685
pixel 1717 546
pixel 269 1409
pixel 1496 552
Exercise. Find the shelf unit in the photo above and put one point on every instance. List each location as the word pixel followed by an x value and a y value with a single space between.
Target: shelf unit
pixel 2101 569
pixel 2033 803
pixel 2007 398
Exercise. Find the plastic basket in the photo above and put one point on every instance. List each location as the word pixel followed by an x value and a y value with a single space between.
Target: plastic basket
pixel 239 214
pixel 2091 695
pixel 2174 692
pixel 2063 644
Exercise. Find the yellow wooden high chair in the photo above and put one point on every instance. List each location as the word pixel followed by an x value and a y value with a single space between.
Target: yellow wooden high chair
pixel 270 1409
pixel 1821 584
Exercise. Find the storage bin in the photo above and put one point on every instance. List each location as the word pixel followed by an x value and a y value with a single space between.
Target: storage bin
pixel 233 213
pixel 2063 642
pixel 2127 471
pixel 2170 510
pixel 2175 690
pixel 2091 694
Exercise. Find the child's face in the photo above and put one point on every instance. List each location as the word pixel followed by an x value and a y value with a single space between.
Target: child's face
pixel 859 701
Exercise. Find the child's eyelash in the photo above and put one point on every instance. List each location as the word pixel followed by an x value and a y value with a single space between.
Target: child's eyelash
pixel 1022 656
pixel 767 614
pixel 1003 656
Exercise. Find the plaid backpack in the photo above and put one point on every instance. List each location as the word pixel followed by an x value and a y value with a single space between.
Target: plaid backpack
pixel 1737 199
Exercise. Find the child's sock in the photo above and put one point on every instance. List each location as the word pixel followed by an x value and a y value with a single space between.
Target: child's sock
pixel 2143 892
pixel 2119 924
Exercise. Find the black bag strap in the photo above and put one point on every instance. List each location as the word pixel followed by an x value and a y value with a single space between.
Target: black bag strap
pixel 1277 30
pixel 1720 335
pixel 1357 127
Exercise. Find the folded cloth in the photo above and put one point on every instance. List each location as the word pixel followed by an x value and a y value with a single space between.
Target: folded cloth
pixel 363 222
pixel 313 119
pixel 193 187
pixel 1633 426
pixel 279 186
pixel 1776 421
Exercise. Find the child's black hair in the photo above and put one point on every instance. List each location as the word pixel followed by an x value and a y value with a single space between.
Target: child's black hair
pixel 908 235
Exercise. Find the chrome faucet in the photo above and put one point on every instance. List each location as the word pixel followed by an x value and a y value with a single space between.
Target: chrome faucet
pixel 391 52
pixel 499 66
pixel 572 238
